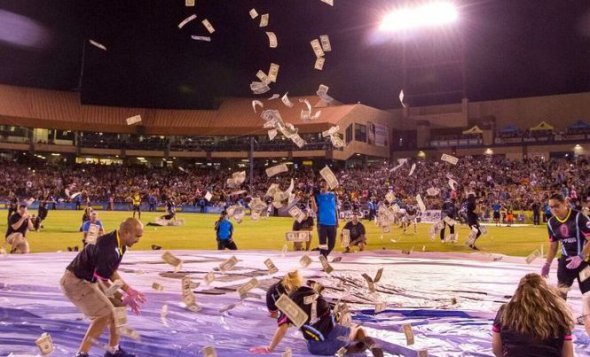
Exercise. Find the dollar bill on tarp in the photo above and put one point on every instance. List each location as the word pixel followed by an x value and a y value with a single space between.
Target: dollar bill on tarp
pixel 171 259
pixel 298 236
pixel 45 344
pixel 380 307
pixel 327 267
pixel 275 170
pixel 228 264
pixel 287 352
pixel 157 286
pixel 407 328
pixel 244 289
pixel 272 268
pixel 329 176
pixel 209 278
pixel 370 282
pixel 450 159
pixel 378 275
pixel 209 351
pixel 305 261
pixel 294 313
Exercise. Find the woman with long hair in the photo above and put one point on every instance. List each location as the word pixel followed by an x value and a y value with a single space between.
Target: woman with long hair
pixel 536 322
pixel 324 335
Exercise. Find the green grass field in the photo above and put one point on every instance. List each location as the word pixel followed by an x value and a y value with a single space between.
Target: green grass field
pixel 61 231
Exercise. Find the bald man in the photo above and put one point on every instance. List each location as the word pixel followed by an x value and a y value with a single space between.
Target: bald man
pixel 96 265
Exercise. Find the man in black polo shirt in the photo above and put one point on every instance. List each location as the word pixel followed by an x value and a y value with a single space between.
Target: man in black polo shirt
pixel 96 265
pixel 357 233
pixel 571 228
pixel 18 225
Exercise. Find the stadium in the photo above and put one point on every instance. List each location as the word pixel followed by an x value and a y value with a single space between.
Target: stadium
pixel 319 177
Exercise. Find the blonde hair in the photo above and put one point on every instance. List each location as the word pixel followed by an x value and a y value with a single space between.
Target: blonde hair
pixel 537 310
pixel 292 281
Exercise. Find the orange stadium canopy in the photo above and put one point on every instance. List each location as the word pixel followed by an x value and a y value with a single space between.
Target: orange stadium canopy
pixel 40 108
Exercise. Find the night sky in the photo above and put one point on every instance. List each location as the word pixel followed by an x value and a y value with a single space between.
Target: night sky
pixel 513 48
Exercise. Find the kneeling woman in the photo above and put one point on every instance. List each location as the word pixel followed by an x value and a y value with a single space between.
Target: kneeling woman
pixel 324 335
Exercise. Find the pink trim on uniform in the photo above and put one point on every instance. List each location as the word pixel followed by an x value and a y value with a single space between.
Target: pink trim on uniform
pixel 567 337
pixel 282 320
pixel 496 328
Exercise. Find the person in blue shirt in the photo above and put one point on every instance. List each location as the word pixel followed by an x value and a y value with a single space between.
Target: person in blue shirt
pixel 93 219
pixel 496 207
pixel 324 204
pixel 224 231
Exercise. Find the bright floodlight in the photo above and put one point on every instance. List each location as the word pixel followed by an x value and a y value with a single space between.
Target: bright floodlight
pixel 433 14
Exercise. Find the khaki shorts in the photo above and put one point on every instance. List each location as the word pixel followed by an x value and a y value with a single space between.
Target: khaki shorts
pixel 86 296
pixel 12 237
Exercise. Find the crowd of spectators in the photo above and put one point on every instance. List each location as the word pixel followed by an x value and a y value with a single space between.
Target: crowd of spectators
pixel 513 184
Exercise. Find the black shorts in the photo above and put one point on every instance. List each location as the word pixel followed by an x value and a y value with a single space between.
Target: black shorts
pixel 566 277
pixel 136 208
pixel 496 215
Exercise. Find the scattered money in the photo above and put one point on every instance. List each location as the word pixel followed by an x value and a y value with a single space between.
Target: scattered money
pixel 98 45
pixel 345 238
pixel 186 21
pixel 239 177
pixel 129 332
pixel 287 353
pixel 115 286
pixel 171 259
pixel 272 40
pixel 227 308
pixel 412 169
pixel 286 101
pixel 305 261
pixel 134 120
pixel 275 170
pixel 164 311
pixel 378 275
pixel 317 48
pixel 120 315
pixel 390 197
pixel 256 103
pixel 208 25
pixel 274 96
pixel 295 314
pixel 322 92
pixel 370 282
pixel 208 196
pixel 157 287
pixel 325 41
pixel 298 236
pixel 534 255
pixel 45 344
pixel 201 38
pixel 263 20
pixel 329 2
pixel 228 264
pixel 450 159
pixel 421 204
pixel 243 290
pixel 380 307
pixel 92 234
pixel 333 130
pixel 272 268
pixel 209 351
pixel 432 191
pixel 319 63
pixel 401 98
pixel 259 87
pixel 329 176
pixel 253 14
pixel 327 267
pixel 297 213
pixel 262 76
pixel 273 72
pixel 409 334
pixel 272 134
pixel 452 184
pixel 209 277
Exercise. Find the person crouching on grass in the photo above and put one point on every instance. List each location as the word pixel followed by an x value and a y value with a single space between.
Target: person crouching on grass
pixel 96 265
pixel 18 225
pixel 324 336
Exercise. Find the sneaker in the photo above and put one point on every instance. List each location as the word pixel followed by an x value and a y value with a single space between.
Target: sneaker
pixel 81 354
pixel 377 352
pixel 119 353
pixel 472 246
pixel 156 247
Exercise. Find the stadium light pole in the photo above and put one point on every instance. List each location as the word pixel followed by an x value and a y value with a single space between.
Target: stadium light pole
pixel 406 19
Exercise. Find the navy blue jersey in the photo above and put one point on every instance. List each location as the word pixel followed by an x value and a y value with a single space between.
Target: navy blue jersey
pixel 572 232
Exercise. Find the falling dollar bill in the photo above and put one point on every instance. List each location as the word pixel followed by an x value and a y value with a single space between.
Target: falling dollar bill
pixel 97 45
pixel 209 351
pixel 327 267
pixel 329 176
pixel 584 273
pixel 295 314
pixel 208 25
pixel 228 264
pixel 120 314
pixel 201 38
pixel 186 21
pixel 432 191
pixel 421 204
pixel 273 72
pixel 272 134
pixel 412 169
pixel 298 140
pixel 272 40
pixel 450 159
pixel 264 20
pixel 319 63
pixel 534 255
pixel 333 130
pixel 129 332
pixel 317 48
pixel 298 236
pixel 390 197
pixel 253 13
pixel 378 275
pixel 115 286
pixel 401 98
pixel 133 120
pixel 243 290
pixel 239 177
pixel 171 259
pixel 345 238
pixel 262 76
pixel 189 3
pixel 275 170
pixel 329 2
pixel 285 99
pixel 342 351
pixel 257 103
pixel 208 196
pixel 272 268
pixel 92 234
pixel 370 282
pixel 45 344
pixel 409 334
pixel 209 277
pixel 305 261
pixel 297 213
pixel 325 41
